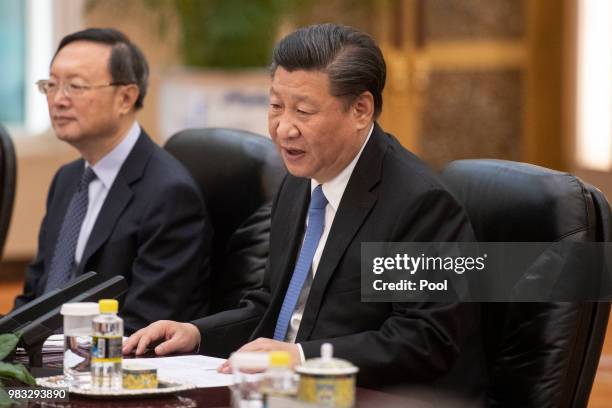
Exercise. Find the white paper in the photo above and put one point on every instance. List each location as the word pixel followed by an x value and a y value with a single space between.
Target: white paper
pixel 198 370
pixel 55 342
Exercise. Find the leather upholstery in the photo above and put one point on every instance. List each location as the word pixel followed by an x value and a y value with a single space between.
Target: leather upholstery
pixel 8 172
pixel 538 354
pixel 238 173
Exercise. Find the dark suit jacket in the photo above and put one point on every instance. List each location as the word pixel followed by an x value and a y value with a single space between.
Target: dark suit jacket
pixel 391 196
pixel 152 229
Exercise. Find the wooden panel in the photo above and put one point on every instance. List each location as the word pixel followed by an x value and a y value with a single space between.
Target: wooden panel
pixel 471 115
pixel 601 394
pixel 471 54
pixel 460 19
pixel 8 291
pixel 544 133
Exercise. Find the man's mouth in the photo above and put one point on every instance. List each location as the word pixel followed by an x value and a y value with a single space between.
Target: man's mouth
pixel 294 153
pixel 62 120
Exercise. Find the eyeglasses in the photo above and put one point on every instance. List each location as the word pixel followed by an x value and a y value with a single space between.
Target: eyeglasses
pixel 49 87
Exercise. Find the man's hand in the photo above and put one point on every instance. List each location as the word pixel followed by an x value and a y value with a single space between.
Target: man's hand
pixel 177 338
pixel 264 344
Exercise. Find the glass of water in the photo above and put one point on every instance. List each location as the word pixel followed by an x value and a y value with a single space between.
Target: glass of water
pixel 77 341
pixel 246 390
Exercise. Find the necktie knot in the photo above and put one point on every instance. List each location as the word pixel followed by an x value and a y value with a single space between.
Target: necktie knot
pixel 318 200
pixel 87 177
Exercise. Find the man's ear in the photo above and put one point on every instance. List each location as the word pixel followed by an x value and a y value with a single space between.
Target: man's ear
pixel 128 94
pixel 363 109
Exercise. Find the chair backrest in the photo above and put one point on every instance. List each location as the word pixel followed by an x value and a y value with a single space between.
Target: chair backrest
pixel 8 173
pixel 538 354
pixel 238 173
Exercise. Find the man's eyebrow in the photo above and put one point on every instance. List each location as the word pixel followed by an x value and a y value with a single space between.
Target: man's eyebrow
pixel 71 76
pixel 303 98
pixel 294 99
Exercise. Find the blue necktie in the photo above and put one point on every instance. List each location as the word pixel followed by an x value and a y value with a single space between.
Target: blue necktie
pixel 316 219
pixel 63 261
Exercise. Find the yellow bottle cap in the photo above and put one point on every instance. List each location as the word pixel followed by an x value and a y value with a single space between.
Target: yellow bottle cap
pixel 279 359
pixel 108 306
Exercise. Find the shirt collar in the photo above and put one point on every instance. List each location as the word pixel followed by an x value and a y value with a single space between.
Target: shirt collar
pixel 334 189
pixel 108 167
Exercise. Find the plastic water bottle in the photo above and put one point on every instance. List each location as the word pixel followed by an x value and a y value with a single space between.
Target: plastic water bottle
pixel 279 380
pixel 106 356
pixel 246 391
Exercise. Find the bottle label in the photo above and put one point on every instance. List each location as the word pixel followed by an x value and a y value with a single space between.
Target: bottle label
pixel 106 349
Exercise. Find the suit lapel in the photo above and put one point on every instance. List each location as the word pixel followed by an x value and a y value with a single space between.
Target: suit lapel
pixel 287 242
pixel 64 191
pixel 357 202
pixel 62 195
pixel 118 197
pixel 294 220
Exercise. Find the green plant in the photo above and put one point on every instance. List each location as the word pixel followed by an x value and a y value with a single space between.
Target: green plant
pixel 11 374
pixel 236 33
pixel 228 33
pixel 217 33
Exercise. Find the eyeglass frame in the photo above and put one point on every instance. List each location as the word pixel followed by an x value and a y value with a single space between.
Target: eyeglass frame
pixel 66 87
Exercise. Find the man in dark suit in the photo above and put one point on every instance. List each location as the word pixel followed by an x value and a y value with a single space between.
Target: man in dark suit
pixel 126 207
pixel 350 182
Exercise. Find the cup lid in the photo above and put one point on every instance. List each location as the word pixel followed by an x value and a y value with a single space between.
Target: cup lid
pixel 335 366
pixel 327 364
pixel 79 309
pixel 245 359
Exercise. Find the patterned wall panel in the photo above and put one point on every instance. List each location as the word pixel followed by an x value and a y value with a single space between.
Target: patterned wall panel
pixel 471 19
pixel 469 115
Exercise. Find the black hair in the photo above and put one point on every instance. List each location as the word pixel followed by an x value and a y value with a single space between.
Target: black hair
pixel 127 64
pixel 351 58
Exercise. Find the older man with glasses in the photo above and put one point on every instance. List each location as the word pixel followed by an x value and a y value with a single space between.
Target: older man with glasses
pixel 126 207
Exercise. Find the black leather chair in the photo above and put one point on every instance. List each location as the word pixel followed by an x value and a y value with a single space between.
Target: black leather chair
pixel 538 354
pixel 8 173
pixel 238 173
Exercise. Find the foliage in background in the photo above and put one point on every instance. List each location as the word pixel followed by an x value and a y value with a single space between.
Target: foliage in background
pixel 220 33
pixel 11 374
pixel 228 33
pixel 241 33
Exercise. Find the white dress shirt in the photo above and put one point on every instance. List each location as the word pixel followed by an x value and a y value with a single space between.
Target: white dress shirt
pixel 333 191
pixel 106 170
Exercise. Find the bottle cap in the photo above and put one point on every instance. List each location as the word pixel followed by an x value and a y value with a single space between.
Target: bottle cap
pixel 79 309
pixel 108 305
pixel 279 359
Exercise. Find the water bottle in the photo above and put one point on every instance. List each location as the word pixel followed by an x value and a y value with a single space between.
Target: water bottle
pixel 107 337
pixel 246 390
pixel 279 380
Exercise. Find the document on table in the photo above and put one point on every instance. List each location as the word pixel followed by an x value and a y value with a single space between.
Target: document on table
pixel 198 370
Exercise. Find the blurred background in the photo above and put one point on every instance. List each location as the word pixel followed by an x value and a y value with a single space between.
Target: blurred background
pixel 525 80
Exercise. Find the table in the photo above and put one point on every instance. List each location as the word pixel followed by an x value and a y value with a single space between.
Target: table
pixel 220 397
pixel 214 398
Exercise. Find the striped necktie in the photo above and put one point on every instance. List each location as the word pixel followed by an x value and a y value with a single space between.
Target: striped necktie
pixel 314 230
pixel 63 262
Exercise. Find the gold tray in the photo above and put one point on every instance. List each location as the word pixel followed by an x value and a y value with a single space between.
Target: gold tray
pixel 164 388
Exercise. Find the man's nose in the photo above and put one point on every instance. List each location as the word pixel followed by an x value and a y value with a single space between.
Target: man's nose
pixel 286 127
pixel 59 97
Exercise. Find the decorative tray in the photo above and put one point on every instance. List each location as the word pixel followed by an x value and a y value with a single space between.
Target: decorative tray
pixel 163 388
